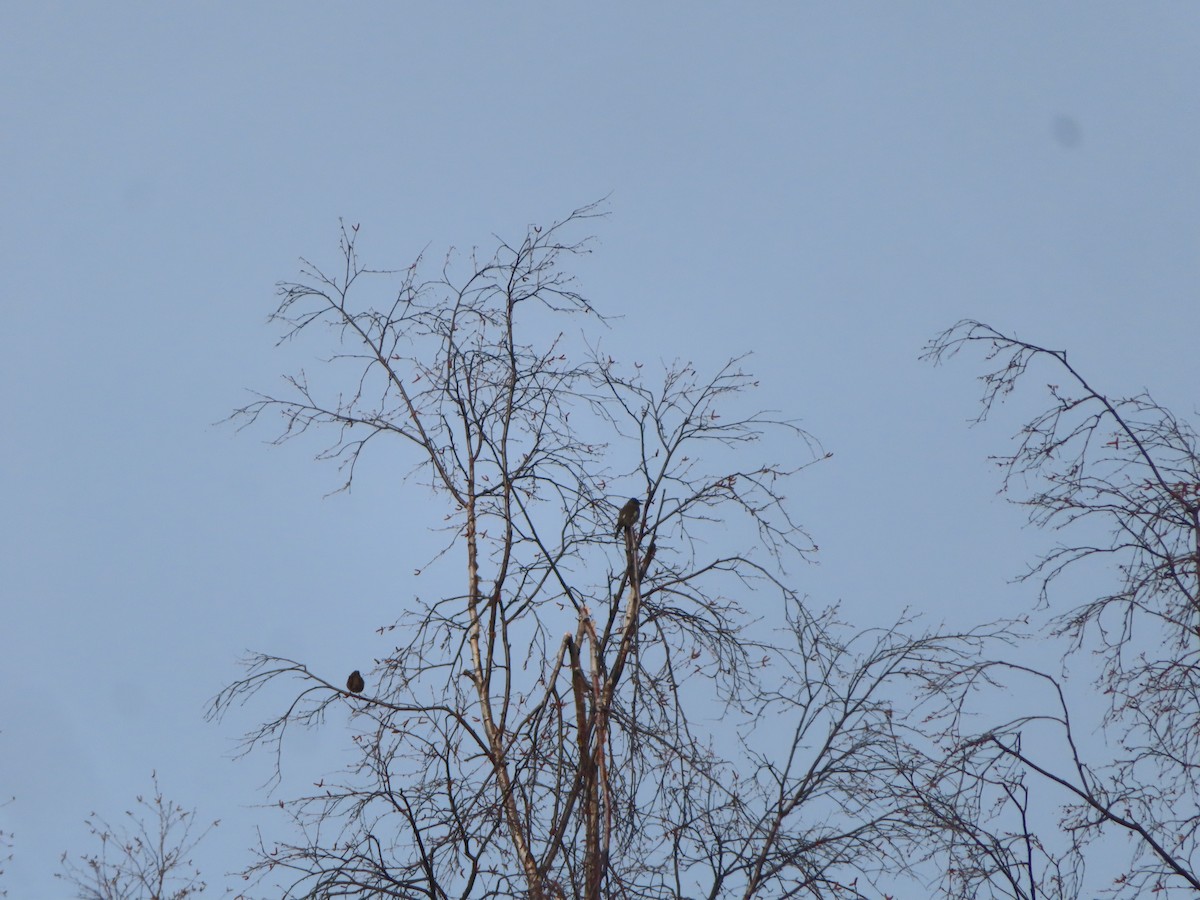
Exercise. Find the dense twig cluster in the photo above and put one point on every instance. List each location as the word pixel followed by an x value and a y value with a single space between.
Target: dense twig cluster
pixel 147 860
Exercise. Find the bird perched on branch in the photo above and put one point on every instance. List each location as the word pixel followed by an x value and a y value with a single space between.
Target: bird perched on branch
pixel 355 683
pixel 648 558
pixel 628 516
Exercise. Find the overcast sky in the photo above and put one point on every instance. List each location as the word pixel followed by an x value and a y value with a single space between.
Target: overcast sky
pixel 826 185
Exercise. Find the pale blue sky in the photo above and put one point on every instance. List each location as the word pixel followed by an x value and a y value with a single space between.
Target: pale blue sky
pixel 825 185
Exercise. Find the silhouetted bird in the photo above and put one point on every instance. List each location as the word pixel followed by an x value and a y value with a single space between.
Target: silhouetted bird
pixel 355 683
pixel 646 560
pixel 628 516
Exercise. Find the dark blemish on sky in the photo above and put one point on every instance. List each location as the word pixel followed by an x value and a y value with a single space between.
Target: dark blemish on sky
pixel 1067 132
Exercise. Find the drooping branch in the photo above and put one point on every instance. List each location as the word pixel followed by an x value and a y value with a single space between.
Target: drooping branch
pixel 1119 478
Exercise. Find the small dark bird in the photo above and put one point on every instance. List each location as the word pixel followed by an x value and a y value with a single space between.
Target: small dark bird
pixel 648 558
pixel 628 516
pixel 355 683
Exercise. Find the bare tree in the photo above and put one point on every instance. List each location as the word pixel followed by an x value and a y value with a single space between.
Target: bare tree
pixel 6 845
pixel 1119 478
pixel 656 713
pixel 147 860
